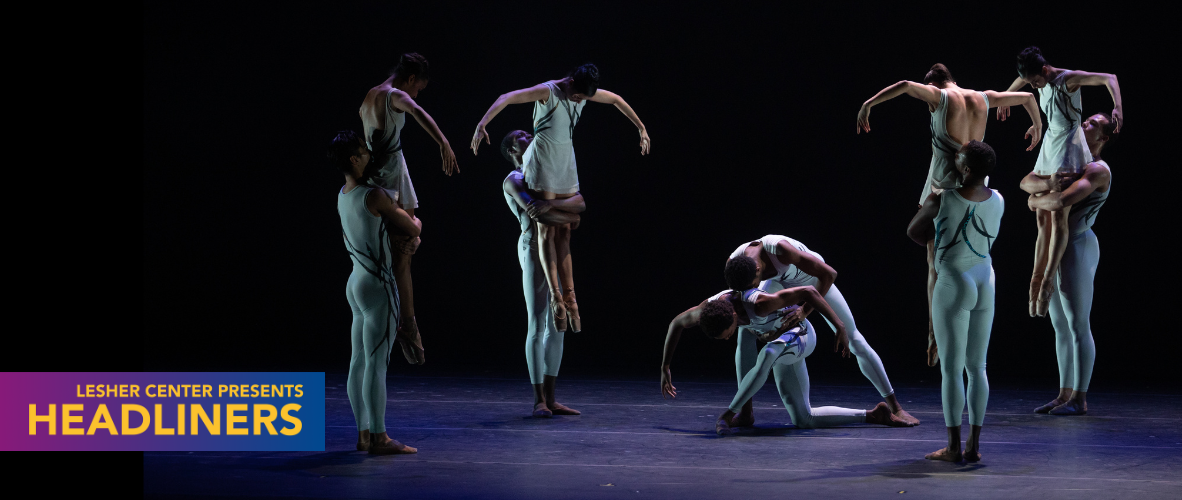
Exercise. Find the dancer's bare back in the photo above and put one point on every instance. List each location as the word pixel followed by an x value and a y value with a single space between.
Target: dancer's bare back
pixel 967 112
pixel 373 108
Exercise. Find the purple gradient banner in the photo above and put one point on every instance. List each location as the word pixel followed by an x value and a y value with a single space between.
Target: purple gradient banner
pixel 162 411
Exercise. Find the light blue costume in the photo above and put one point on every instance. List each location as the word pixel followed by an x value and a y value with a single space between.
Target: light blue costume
pixel 549 161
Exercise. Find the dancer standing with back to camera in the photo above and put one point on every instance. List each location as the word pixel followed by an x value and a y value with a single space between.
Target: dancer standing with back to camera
pixel 964 223
pixel 383 115
pixel 367 213
pixel 1064 149
pixel 958 115
pixel 550 170
pixel 543 342
pixel 1070 304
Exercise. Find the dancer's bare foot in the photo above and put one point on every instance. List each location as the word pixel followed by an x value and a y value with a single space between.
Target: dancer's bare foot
pixel 572 309
pixel 1050 406
pixel 722 427
pixel 542 411
pixel 933 350
pixel 411 342
pixel 561 409
pixel 743 419
pixel 882 415
pixel 1035 290
pixel 1044 299
pixel 1071 407
pixel 363 440
pixel 902 414
pixel 945 454
pixel 381 444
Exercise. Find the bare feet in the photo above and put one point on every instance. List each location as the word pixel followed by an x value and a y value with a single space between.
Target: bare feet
pixel 1044 299
pixel 882 415
pixel 945 455
pixel 561 409
pixel 381 444
pixel 743 420
pixel 542 411
pixel 1035 291
pixel 411 342
pixel 1050 406
pixel 572 308
pixel 722 427
pixel 1070 408
pixel 933 350
pixel 559 310
pixel 363 440
pixel 906 417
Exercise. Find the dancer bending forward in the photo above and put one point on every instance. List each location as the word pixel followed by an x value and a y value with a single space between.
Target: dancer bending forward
pixel 776 262
pixel 1064 149
pixel 790 339
pixel 383 114
pixel 1070 304
pixel 958 115
pixel 543 342
pixel 550 171
pixel 963 222
pixel 367 213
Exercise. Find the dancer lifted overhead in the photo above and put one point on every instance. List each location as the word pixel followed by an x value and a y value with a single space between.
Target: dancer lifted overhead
pixel 543 342
pixel 383 114
pixel 776 262
pixel 367 215
pixel 964 223
pixel 1064 149
pixel 1070 304
pixel 958 116
pixel 550 171
pixel 779 319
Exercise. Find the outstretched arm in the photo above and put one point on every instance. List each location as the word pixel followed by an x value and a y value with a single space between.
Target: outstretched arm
pixel 606 97
pixel 687 319
pixel 808 263
pixel 765 303
pixel 538 92
pixel 540 210
pixel 1075 79
pixel 922 229
pixel 403 102
pixel 1027 100
pixel 1095 177
pixel 926 93
pixel 1003 112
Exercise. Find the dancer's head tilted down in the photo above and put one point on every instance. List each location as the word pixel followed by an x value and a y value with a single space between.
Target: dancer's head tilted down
pixel 349 155
pixel 939 77
pixel 1032 68
pixel 719 319
pixel 411 74
pixel 742 273
pixel 582 83
pixel 975 161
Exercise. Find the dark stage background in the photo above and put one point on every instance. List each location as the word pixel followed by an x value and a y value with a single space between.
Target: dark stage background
pixel 752 117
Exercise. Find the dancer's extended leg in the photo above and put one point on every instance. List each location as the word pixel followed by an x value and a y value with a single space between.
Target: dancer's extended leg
pixel 1056 245
pixel 566 274
pixel 548 253
pixel 792 380
pixel 1042 243
pixel 538 324
pixel 745 354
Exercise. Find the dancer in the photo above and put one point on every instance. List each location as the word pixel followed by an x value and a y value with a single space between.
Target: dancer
pixel 543 342
pixel 1070 304
pixel 367 213
pixel 790 339
pixel 550 171
pixel 958 115
pixel 383 114
pixel 963 222
pixel 776 262
pixel 1063 149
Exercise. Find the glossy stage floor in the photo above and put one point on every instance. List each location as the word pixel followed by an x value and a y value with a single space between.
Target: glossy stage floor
pixel 476 440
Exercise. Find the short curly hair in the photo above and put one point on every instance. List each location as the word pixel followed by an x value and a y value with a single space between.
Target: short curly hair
pixel 739 273
pixel 717 315
pixel 979 157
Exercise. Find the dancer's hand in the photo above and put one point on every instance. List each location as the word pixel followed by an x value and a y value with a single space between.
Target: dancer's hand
pixel 1118 118
pixel 667 388
pixel 645 143
pixel 1003 112
pixel 843 342
pixel 536 208
pixel 1034 133
pixel 449 159
pixel 479 134
pixel 410 245
pixel 864 118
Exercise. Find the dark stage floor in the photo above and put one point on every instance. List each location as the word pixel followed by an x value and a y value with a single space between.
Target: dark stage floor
pixel 476 440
